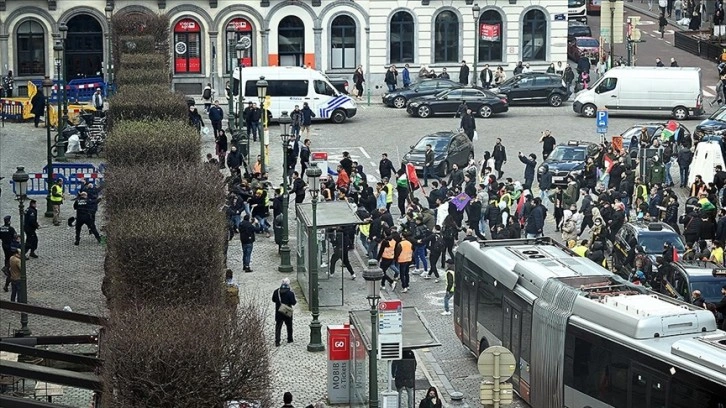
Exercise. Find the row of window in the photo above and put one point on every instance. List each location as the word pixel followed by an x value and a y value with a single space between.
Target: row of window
pixel 291 41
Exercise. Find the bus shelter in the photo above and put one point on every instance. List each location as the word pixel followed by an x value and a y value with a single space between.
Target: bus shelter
pixel 416 335
pixel 315 248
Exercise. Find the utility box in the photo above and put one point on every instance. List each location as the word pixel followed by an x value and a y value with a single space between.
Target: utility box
pixel 390 399
pixel 338 364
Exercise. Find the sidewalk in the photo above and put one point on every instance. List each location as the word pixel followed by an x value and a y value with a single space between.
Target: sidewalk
pixel 641 6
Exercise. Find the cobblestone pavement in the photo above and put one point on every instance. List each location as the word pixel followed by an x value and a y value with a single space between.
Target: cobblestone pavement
pixel 66 275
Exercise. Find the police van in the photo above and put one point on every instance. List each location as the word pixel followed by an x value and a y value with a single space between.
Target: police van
pixel 290 86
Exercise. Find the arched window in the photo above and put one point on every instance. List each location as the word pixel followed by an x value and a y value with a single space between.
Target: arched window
pixel 291 42
pixel 490 40
pixel 83 48
pixel 31 49
pixel 343 42
pixel 240 28
pixel 401 38
pixel 534 36
pixel 446 37
pixel 187 47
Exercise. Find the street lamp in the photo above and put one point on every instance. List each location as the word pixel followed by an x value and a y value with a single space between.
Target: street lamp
pixel 63 28
pixel 476 12
pixel 20 179
pixel 230 66
pixel 109 70
pixel 373 276
pixel 47 89
pixel 313 174
pixel 240 51
pixel 285 265
pixel 261 94
pixel 612 31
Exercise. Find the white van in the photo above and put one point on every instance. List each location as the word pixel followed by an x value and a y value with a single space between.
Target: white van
pixel 644 90
pixel 290 86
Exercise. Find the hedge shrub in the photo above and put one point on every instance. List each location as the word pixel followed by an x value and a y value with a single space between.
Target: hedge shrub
pixel 143 61
pixel 137 44
pixel 128 26
pixel 166 257
pixel 143 76
pixel 186 357
pixel 154 102
pixel 162 187
pixel 152 143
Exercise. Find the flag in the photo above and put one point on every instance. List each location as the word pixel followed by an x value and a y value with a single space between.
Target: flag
pixel 520 207
pixel 461 201
pixel 675 255
pixel 412 177
pixel 609 163
pixel 669 130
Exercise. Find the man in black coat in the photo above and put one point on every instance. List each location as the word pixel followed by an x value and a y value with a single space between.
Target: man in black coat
pixel 464 73
pixel 534 226
pixel 385 167
pixel 234 158
pixel 30 228
pixel 456 177
pixel 529 165
pixel 84 216
pixel 283 296
pixel 499 154
pixel 38 109
pixel 468 124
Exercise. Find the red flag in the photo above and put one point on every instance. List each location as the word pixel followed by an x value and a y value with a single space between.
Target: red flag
pixel 520 207
pixel 412 177
pixel 675 255
pixel 609 163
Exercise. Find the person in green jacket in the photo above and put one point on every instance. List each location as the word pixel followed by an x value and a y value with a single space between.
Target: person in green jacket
pixel 656 173
pixel 450 285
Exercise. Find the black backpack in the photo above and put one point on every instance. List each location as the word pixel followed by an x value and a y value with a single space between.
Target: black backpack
pixel 438 243
pixel 207 93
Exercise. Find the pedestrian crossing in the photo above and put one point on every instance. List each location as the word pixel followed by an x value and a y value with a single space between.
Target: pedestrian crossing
pixel 357 154
pixel 709 91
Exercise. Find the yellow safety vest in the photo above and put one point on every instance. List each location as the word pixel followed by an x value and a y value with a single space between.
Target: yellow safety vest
pixel 453 279
pixel 406 254
pixel 580 250
pixel 389 251
pixel 643 193
pixel 365 229
pixel 56 194
pixel 389 193
pixel 507 198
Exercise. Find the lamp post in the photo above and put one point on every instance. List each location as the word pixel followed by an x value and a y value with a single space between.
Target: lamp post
pixel 261 94
pixel 240 52
pixel 373 275
pixel 47 89
pixel 476 12
pixel 109 70
pixel 20 178
pixel 313 174
pixel 612 30
pixel 62 95
pixel 230 65
pixel 285 265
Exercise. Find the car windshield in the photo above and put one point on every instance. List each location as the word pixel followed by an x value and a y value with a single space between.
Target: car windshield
pixel 653 243
pixel 438 144
pixel 568 154
pixel 719 114
pixel 575 3
pixel 587 42
pixel 709 286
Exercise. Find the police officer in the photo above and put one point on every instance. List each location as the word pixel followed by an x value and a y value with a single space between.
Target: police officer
pixel 84 207
pixel 30 228
pixel 7 234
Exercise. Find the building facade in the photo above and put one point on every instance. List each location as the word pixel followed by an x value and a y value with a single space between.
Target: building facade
pixel 334 36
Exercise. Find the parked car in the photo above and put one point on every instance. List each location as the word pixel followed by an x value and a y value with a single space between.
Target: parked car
pixel 578 29
pixel 578 47
pixel 534 88
pixel 481 102
pixel 654 131
pixel 450 147
pixel 401 96
pixel 567 159
pixel 717 121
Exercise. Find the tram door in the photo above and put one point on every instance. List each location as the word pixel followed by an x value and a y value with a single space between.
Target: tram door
pixel 647 388
pixel 512 336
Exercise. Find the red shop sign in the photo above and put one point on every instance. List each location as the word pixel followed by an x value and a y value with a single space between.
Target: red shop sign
pixel 240 24
pixel 187 25
pixel 489 32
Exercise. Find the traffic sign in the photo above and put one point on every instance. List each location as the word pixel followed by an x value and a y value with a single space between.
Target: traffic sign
pixel 601 121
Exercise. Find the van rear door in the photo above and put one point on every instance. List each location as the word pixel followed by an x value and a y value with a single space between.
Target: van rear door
pixel 607 93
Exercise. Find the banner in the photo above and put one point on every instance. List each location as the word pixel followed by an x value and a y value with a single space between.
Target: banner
pixel 490 32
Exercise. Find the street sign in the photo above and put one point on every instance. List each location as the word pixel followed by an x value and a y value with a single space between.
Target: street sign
pixel 390 330
pixel 601 121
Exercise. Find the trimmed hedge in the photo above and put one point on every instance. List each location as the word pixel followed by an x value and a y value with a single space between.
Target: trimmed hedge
pixel 168 257
pixel 143 76
pixel 153 102
pixel 186 357
pixel 128 26
pixel 162 187
pixel 152 143
pixel 143 61
pixel 137 44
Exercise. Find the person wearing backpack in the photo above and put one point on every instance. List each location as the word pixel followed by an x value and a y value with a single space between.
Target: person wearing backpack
pixel 451 235
pixel 435 242
pixel 207 97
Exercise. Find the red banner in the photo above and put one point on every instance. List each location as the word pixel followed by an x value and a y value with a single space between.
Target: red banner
pixel 187 25
pixel 490 32
pixel 240 24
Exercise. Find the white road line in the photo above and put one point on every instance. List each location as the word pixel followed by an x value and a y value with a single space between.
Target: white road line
pixel 365 153
pixel 667 42
pixel 374 165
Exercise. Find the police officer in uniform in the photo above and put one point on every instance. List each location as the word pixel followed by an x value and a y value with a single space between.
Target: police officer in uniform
pixel 84 207
pixel 30 228
pixel 7 234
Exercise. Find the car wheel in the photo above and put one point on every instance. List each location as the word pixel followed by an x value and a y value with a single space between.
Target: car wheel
pixel 424 111
pixel 338 116
pixel 444 169
pixel 399 102
pixel 680 113
pixel 589 110
pixel 485 111
pixel 555 100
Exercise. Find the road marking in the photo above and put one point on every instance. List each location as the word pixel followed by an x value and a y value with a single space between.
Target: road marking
pixel 667 42
pixel 335 154
pixel 709 91
pixel 365 153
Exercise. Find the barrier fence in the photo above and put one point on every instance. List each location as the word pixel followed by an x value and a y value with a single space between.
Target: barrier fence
pixel 73 175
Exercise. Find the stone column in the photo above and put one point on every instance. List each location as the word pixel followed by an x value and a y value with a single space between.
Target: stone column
pixel 318 35
pixel 213 57
pixel 265 35
pixel 4 60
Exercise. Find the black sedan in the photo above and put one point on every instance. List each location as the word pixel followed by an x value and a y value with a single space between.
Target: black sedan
pixel 401 96
pixel 481 102
pixel 449 148
pixel 717 121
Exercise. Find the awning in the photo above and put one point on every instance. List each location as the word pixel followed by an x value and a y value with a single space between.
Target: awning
pixel 416 332
pixel 330 214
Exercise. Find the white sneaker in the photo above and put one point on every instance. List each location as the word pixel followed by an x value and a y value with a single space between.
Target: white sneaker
pixel 405 290
pixel 352 277
pixel 323 265
pixel 393 285
pixel 437 280
pixel 427 276
pixel 384 288
pixel 445 313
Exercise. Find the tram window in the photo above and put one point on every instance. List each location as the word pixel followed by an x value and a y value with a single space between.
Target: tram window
pixel 594 370
pixel 686 395
pixel 526 335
